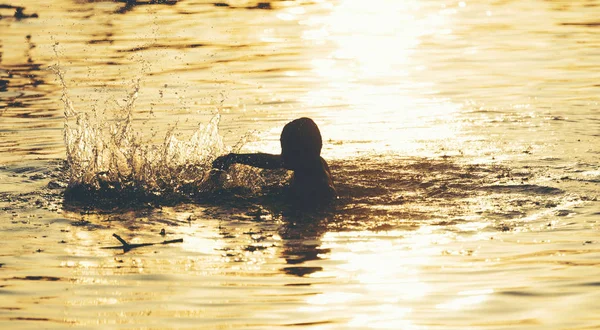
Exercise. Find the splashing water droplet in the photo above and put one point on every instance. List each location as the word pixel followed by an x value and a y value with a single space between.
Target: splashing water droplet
pixel 112 160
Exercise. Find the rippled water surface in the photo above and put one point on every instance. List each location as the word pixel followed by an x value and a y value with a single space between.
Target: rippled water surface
pixel 463 138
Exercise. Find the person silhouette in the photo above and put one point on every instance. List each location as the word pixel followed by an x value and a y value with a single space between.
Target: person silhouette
pixel 301 143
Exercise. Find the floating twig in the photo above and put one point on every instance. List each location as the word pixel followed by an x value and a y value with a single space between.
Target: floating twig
pixel 126 246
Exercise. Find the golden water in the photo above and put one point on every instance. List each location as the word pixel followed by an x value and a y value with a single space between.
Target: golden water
pixel 463 137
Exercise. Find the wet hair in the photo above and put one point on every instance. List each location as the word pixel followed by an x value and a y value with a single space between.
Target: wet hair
pixel 301 143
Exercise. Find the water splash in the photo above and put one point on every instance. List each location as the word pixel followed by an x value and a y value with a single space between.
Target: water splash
pixel 110 159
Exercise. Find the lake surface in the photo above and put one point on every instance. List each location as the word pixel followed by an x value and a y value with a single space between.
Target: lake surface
pixel 463 137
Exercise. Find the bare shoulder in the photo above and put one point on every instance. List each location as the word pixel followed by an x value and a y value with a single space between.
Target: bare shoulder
pixel 313 187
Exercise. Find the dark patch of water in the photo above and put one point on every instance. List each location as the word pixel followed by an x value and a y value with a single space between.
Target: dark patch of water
pixel 584 24
pixel 38 278
pixel 19 12
pixel 301 270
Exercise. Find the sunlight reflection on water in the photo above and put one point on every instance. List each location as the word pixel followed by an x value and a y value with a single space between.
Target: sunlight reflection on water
pixel 463 143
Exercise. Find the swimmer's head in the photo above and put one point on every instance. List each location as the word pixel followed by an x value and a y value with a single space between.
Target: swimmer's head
pixel 300 143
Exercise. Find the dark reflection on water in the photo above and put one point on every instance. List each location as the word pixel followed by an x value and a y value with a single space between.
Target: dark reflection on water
pixel 129 5
pixel 259 5
pixel 587 24
pixel 26 104
pixel 19 82
pixel 162 46
pixel 19 12
pixel 299 235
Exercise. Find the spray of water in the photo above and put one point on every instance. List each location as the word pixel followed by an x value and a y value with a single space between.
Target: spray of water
pixel 113 160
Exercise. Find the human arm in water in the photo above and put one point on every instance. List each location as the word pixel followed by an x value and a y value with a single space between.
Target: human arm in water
pixel 222 163
pixel 260 160
pixel 310 184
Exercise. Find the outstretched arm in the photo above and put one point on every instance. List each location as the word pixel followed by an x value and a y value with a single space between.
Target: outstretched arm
pixel 261 160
